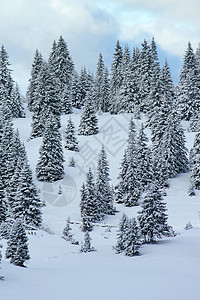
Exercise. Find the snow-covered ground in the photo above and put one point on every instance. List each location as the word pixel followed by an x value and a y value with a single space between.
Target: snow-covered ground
pixel 168 270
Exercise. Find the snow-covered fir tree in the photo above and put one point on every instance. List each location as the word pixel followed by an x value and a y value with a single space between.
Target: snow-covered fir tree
pixel 48 102
pixel 144 160
pixel 66 99
pixel 122 234
pixel 17 248
pixel 50 164
pixel 31 94
pixel 86 218
pixel 133 241
pixel 88 122
pixel 17 107
pixel 75 93
pixel 72 162
pixel 128 188
pixel 71 142
pixel 195 162
pixel 27 204
pixel 67 231
pixel 1 277
pixel 188 86
pixel 3 207
pixel 104 192
pixel 87 247
pixel 153 217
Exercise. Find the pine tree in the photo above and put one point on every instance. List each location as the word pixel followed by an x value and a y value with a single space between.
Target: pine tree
pixel 86 247
pixel 71 142
pixel 66 99
pixel 50 164
pixel 18 109
pixel 67 231
pixel 195 162
pixel 153 217
pixel 128 188
pixel 88 122
pixel 188 87
pixel 144 159
pixel 103 190
pixel 3 207
pixel 6 80
pixel 133 242
pixel 75 94
pixel 17 249
pixel 145 75
pixel 72 162
pixel 27 204
pixel 1 277
pixel 48 103
pixel 89 204
pixel 122 234
pixel 31 94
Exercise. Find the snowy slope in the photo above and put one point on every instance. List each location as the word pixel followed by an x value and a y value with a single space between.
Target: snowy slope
pixel 167 270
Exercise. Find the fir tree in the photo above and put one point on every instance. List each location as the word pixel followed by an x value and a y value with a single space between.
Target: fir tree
pixel 88 122
pixel 48 103
pixel 133 242
pixel 188 87
pixel 195 162
pixel 1 277
pixel 75 93
pixel 67 231
pixel 72 162
pixel 86 247
pixel 17 249
pixel 153 217
pixel 103 190
pixel 31 94
pixel 122 234
pixel 17 109
pixel 3 207
pixel 50 164
pixel 27 204
pixel 71 142
pixel 128 188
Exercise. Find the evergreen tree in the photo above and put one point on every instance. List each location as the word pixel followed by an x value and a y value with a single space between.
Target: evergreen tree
pixel 66 99
pixel 6 80
pixel 195 162
pixel 1 277
pixel 72 162
pixel 188 87
pixel 3 207
pixel 144 160
pixel 89 204
pixel 50 164
pixel 75 94
pixel 48 103
pixel 133 242
pixel 86 247
pixel 17 249
pixel 67 231
pixel 128 188
pixel 153 217
pixel 31 94
pixel 27 204
pixel 145 75
pixel 88 122
pixel 71 142
pixel 17 109
pixel 122 234
pixel 103 190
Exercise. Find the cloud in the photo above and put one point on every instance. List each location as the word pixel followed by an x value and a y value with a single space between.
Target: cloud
pixel 26 25
pixel 93 26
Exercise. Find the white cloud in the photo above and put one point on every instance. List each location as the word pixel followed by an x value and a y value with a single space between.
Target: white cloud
pixel 93 26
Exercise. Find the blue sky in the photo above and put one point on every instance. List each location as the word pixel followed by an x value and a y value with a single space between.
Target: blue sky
pixel 93 26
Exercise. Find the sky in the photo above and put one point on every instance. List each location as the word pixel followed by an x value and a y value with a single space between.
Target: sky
pixel 93 26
